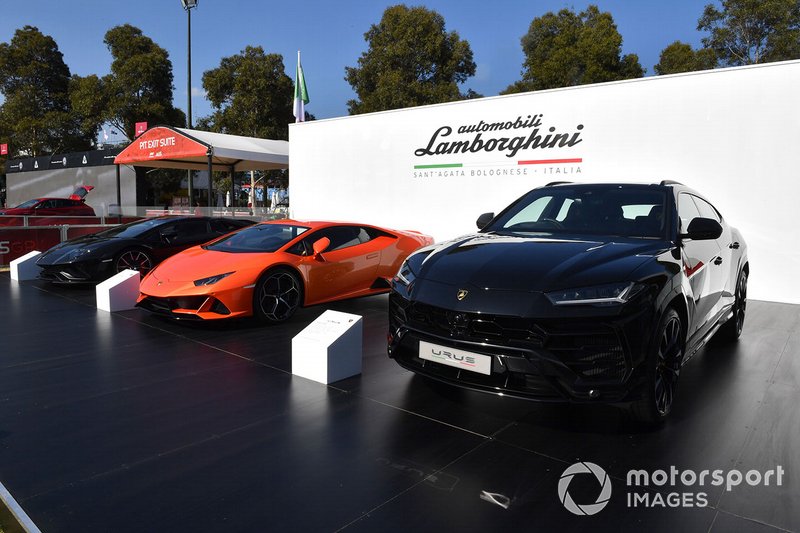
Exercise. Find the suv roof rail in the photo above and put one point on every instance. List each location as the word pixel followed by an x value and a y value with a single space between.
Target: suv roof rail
pixel 670 182
pixel 558 183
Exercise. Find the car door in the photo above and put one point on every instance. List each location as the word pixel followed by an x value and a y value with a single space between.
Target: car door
pixel 722 282
pixel 698 265
pixel 349 264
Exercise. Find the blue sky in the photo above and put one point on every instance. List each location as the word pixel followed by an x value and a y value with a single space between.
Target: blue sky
pixel 330 35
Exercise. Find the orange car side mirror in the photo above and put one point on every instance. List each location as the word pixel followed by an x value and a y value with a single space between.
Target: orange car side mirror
pixel 320 246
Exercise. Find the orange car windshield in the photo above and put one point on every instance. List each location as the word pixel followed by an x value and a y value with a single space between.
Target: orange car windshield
pixel 260 238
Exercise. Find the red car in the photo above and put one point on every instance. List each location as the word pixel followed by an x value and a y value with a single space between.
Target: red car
pixel 74 206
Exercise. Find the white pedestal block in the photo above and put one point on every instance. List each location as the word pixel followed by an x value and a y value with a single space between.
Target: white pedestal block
pixel 329 349
pixel 24 268
pixel 119 292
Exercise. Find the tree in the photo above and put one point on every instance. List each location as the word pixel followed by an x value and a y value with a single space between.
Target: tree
pixel 411 60
pixel 565 49
pixel 752 31
pixel 139 87
pixel 35 83
pixel 251 95
pixel 680 57
pixel 89 101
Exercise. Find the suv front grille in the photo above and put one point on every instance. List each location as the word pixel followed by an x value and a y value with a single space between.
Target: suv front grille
pixel 593 351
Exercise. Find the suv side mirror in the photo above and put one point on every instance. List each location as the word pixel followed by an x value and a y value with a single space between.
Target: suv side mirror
pixel 484 220
pixel 703 229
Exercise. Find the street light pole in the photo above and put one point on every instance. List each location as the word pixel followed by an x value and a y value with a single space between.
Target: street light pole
pixel 189 65
pixel 187 6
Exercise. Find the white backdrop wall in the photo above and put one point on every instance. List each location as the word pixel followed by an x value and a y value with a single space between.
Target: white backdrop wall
pixel 731 134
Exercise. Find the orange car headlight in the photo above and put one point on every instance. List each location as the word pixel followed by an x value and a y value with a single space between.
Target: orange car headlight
pixel 211 279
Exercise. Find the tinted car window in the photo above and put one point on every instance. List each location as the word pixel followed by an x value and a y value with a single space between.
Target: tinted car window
pixel 258 239
pixel 187 231
pixel 28 204
pixel 222 226
pixel 626 211
pixel 340 237
pixel 134 229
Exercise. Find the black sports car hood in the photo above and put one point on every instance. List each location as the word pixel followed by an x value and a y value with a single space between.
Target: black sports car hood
pixel 80 248
pixel 535 263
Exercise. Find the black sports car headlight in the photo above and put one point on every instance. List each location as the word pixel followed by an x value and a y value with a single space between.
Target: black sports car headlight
pixel 609 294
pixel 211 279
pixel 78 254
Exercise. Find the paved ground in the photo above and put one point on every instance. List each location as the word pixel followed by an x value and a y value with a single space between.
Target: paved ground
pixel 126 422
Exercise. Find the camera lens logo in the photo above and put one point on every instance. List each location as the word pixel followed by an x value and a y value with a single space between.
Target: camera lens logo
pixel 587 509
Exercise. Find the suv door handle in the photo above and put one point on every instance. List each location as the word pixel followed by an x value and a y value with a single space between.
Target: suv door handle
pixel 718 261
pixel 734 245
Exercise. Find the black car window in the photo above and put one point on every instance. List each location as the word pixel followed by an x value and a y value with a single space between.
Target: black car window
pixel 135 229
pixel 687 210
pixel 222 226
pixel 706 209
pixel 259 238
pixel 47 204
pixel 188 231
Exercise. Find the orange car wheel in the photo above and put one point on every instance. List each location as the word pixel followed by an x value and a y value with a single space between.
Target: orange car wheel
pixel 278 294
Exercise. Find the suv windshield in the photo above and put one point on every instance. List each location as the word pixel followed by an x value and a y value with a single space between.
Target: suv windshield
pixel 619 210
pixel 257 239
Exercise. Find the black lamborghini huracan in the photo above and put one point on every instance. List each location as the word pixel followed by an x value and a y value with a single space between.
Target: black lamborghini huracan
pixel 139 245
pixel 575 292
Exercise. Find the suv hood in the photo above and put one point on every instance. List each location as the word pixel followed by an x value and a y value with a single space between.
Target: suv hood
pixel 536 263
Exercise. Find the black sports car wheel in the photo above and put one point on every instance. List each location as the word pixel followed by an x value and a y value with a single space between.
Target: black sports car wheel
pixel 134 259
pixel 732 329
pixel 277 296
pixel 662 367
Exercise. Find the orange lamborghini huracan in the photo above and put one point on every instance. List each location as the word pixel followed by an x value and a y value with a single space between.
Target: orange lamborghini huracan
pixel 270 269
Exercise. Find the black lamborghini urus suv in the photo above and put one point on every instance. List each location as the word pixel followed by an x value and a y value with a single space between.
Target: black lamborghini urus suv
pixel 575 292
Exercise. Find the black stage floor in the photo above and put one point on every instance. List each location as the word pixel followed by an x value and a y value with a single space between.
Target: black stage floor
pixel 126 422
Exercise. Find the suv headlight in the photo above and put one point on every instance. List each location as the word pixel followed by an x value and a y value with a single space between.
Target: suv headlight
pixel 211 279
pixel 610 294
pixel 405 275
